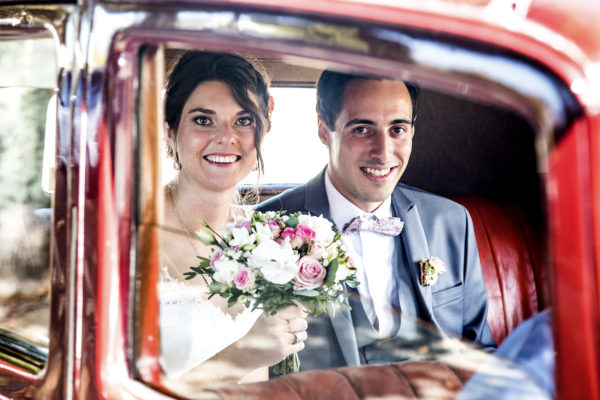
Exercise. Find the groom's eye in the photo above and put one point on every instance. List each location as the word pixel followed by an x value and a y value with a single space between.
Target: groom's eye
pixel 360 130
pixel 398 130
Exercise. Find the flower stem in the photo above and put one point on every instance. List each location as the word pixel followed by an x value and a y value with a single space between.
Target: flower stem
pixel 289 365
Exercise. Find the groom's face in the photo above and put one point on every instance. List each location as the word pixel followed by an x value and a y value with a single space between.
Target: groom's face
pixel 371 142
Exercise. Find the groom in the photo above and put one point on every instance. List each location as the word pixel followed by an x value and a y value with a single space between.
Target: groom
pixel 367 124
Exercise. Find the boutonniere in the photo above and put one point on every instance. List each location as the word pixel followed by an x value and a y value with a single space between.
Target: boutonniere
pixel 430 269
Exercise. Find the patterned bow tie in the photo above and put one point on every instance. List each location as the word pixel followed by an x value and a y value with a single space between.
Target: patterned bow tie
pixel 391 226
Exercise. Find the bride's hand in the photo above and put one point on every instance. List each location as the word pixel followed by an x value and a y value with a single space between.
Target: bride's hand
pixel 272 338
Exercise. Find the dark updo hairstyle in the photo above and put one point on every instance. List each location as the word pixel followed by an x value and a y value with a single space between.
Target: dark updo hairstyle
pixel 242 76
pixel 330 94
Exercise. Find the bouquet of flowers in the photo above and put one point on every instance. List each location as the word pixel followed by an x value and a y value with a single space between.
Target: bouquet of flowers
pixel 272 260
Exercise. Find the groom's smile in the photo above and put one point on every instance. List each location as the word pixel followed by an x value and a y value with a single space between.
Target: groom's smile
pixel 371 142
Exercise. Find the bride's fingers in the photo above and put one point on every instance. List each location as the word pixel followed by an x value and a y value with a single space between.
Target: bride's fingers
pixel 291 312
pixel 298 324
pixel 297 337
pixel 295 348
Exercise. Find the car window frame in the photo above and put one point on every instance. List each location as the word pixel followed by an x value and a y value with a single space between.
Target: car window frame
pixel 548 128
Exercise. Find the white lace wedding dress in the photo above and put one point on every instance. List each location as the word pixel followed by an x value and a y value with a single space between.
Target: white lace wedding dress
pixel 192 328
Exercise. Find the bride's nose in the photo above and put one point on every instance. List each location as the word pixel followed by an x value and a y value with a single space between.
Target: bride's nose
pixel 226 134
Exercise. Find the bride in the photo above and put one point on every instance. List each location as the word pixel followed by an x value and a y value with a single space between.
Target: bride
pixel 217 110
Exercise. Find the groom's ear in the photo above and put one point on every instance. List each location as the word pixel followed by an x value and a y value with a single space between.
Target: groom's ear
pixel 323 132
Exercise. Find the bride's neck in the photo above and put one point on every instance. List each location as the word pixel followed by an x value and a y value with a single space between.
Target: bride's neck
pixel 196 206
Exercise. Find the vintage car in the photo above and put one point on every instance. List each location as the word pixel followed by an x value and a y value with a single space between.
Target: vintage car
pixel 509 126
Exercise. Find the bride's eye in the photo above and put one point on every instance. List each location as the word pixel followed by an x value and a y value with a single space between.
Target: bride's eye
pixel 245 121
pixel 202 120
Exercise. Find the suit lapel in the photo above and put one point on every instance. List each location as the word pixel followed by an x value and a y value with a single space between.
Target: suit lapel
pixel 415 244
pixel 316 203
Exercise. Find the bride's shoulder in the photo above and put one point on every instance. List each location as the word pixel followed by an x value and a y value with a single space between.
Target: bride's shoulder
pixel 171 287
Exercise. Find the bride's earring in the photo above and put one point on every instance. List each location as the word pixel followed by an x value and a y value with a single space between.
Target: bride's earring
pixel 177 163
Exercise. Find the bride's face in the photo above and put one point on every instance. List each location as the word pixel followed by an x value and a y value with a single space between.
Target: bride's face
pixel 215 138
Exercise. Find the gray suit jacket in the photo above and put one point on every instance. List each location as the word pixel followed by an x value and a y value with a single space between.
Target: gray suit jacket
pixel 433 226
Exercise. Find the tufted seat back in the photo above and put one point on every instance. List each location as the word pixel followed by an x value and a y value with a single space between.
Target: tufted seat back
pixel 512 260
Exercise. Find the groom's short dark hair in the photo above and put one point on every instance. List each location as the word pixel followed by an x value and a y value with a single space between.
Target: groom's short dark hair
pixel 330 94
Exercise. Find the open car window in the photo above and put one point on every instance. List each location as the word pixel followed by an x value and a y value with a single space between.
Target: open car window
pixel 27 129
pixel 476 150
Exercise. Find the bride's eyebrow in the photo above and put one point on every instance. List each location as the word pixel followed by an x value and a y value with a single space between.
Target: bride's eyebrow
pixel 202 110
pixel 211 112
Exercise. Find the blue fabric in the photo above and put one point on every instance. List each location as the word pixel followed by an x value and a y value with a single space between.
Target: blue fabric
pixel 528 354
pixel 433 226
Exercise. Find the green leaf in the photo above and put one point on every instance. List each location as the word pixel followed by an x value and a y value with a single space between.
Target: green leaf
pixel 321 308
pixel 197 270
pixel 291 222
pixel 189 275
pixel 306 293
pixel 331 271
pixel 232 301
pixel 205 263
pixel 298 303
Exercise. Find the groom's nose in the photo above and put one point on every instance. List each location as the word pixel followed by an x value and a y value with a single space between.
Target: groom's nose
pixel 381 146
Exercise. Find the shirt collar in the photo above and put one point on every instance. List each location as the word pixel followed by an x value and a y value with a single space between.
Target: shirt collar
pixel 343 210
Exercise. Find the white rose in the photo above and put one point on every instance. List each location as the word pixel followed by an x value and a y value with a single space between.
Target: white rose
pixel 241 237
pixel 233 254
pixel 276 262
pixel 225 270
pixel 263 232
pixel 323 227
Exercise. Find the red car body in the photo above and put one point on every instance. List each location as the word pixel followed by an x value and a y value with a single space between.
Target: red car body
pixel 95 351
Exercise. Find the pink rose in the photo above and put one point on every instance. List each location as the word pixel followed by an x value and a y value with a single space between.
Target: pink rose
pixel 310 275
pixel 274 228
pixel 244 279
pixel 302 234
pixel 287 233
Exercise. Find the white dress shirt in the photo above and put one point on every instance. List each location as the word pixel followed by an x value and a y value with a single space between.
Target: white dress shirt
pixel 372 254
